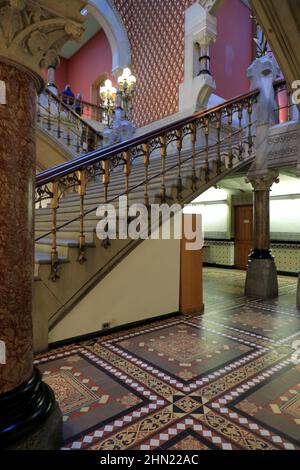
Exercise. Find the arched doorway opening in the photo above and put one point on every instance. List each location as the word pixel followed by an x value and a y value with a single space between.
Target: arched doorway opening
pixel 95 95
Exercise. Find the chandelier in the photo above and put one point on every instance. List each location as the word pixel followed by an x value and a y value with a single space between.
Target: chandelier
pixel 126 89
pixel 108 95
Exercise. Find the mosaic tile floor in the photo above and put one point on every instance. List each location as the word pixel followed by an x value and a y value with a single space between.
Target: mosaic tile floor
pixel 227 379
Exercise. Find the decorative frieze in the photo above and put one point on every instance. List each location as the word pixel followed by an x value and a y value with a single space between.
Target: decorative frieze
pixel 283 145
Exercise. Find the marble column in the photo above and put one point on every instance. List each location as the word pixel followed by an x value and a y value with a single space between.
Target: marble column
pixel 17 170
pixel 29 415
pixel 17 157
pixel 261 280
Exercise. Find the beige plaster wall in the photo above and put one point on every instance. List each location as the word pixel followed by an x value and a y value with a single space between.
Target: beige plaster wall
pixel 48 152
pixel 144 285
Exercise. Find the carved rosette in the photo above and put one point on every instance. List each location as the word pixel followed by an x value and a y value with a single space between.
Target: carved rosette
pixel 32 32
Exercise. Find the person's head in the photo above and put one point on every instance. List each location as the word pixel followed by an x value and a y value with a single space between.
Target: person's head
pixel 78 96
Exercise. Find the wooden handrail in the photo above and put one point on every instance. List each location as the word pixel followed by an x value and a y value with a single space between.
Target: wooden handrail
pixel 96 156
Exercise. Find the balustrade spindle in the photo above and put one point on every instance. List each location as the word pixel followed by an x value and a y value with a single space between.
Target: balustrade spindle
pixel 54 254
pixel 105 181
pixel 179 150
pixel 250 139
pixel 94 142
pixel 163 154
pixel 146 153
pixel 127 168
pixel 58 120
pixel 78 138
pixel 87 136
pixel 49 112
pixel 240 118
pixel 229 121
pixel 218 126
pixel 82 192
pixel 206 134
pixel 194 141
pixel 68 135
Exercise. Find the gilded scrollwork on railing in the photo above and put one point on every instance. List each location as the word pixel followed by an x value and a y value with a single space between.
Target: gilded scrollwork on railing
pixel 94 171
pixel 154 144
pixel 136 152
pixel 67 184
pixel 42 193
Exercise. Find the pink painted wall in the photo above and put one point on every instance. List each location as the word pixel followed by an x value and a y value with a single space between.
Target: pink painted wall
pixel 84 67
pixel 232 53
pixel 61 75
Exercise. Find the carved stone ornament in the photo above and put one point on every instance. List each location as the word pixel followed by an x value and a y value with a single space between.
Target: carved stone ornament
pixel 263 182
pixel 32 32
pixel 211 6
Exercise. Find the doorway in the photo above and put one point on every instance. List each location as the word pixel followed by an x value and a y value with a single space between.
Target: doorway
pixel 243 217
pixel 95 98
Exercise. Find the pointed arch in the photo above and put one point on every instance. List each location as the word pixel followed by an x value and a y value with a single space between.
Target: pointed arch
pixel 108 17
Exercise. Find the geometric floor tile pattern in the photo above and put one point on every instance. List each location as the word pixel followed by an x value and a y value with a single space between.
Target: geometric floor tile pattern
pixel 227 379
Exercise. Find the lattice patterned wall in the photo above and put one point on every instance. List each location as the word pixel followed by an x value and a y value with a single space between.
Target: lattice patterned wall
pixel 156 35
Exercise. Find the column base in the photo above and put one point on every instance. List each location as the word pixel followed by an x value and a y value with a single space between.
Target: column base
pixel 298 293
pixel 261 279
pixel 30 417
pixel 47 436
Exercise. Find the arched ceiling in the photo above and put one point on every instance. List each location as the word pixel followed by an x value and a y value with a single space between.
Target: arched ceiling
pixel 103 14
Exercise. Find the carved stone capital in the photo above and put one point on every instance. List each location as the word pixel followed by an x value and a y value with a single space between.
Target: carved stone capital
pixel 264 181
pixel 32 32
pixel 200 25
pixel 207 31
pixel 211 6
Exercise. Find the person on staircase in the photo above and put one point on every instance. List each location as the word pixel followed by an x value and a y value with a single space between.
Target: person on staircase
pixel 78 105
pixel 68 96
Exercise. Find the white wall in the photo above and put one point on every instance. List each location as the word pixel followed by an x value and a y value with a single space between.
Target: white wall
pixel 144 285
pixel 285 218
pixel 216 219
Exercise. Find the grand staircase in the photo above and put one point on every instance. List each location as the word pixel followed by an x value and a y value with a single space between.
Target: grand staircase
pixel 172 165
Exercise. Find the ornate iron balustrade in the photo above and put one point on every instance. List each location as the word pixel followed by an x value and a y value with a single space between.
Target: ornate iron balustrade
pixel 61 121
pixel 226 130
